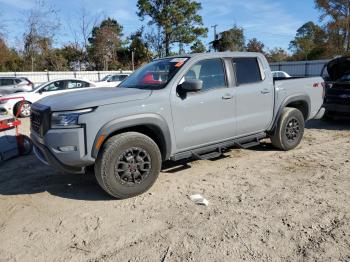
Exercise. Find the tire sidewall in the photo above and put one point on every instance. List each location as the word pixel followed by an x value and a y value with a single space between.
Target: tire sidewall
pixel 18 107
pixel 112 183
pixel 294 113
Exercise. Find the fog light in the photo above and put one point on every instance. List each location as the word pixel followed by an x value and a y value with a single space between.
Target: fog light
pixel 67 148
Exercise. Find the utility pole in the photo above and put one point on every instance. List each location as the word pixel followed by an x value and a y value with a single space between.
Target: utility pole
pixel 133 60
pixel 214 26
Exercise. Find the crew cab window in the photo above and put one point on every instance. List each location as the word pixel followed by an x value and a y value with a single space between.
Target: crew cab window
pixel 54 86
pixel 6 82
pixel 247 70
pixel 72 84
pixel 211 72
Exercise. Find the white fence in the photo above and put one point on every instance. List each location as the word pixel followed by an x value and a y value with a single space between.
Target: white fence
pixel 41 77
pixel 300 68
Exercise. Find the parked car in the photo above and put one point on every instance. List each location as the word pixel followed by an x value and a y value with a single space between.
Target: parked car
pixel 41 91
pixel 9 85
pixel 112 80
pixel 337 98
pixel 192 106
pixel 280 74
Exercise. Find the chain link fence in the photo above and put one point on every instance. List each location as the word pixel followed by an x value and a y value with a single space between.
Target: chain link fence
pixel 42 77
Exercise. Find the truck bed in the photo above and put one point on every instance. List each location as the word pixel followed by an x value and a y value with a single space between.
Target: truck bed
pixel 301 87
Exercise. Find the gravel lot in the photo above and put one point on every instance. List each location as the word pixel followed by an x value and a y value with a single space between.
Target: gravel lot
pixel 265 205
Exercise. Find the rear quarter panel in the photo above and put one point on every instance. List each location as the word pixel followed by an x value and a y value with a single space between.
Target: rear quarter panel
pixel 310 87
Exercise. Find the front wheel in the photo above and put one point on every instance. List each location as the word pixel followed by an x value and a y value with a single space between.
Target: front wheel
pixel 24 110
pixel 128 165
pixel 289 130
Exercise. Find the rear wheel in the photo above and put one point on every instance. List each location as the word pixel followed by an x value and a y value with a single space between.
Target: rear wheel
pixel 289 130
pixel 24 110
pixel 128 165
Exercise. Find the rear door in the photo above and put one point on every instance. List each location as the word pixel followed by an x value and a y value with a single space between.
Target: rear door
pixel 206 116
pixel 254 97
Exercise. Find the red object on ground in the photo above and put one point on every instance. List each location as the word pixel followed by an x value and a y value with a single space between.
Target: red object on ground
pixel 15 122
pixel 148 79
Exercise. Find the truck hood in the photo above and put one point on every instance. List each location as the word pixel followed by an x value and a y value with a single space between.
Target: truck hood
pixel 93 97
pixel 338 67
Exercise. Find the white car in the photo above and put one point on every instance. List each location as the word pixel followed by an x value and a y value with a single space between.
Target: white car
pixel 47 89
pixel 112 80
pixel 280 74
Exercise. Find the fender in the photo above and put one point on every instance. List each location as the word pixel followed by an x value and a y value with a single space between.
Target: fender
pixel 115 125
pixel 286 101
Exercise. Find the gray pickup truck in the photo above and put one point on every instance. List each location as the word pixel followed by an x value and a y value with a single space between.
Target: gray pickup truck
pixel 191 106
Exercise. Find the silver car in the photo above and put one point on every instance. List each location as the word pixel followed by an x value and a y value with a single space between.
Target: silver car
pixel 10 85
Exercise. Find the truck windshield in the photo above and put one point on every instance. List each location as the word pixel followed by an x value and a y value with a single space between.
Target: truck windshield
pixel 155 75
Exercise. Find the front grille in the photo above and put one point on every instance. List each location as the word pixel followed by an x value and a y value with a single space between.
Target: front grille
pixel 35 120
pixel 40 119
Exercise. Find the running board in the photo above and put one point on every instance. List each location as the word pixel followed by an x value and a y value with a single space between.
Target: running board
pixel 248 145
pixel 207 156
pixel 216 150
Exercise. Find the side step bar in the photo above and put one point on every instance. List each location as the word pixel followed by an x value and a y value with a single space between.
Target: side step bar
pixel 249 144
pixel 216 150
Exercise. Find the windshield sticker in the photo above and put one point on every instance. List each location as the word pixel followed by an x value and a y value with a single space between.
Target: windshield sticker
pixel 179 59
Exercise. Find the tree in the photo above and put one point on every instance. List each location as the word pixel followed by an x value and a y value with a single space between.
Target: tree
pixel 230 40
pixel 105 41
pixel 337 15
pixel 277 54
pixel 72 56
pixel 9 58
pixel 139 46
pixel 309 42
pixel 41 26
pixel 2 27
pixel 255 46
pixel 81 32
pixel 177 21
pixel 198 47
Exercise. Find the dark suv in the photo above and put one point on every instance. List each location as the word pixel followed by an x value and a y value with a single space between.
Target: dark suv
pixel 337 98
pixel 10 85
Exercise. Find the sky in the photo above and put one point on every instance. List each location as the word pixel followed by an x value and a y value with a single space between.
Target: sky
pixel 274 22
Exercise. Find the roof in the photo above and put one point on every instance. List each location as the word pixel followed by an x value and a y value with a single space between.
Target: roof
pixel 216 54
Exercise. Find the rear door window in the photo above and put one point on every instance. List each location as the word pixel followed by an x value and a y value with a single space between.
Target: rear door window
pixel 74 84
pixel 247 70
pixel 6 82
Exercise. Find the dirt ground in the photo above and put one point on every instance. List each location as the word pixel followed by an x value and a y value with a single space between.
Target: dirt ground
pixel 265 205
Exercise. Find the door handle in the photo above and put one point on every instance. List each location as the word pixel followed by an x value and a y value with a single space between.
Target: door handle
pixel 227 97
pixel 265 91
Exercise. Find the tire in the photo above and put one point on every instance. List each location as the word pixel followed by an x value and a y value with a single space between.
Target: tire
pixel 25 145
pixel 25 110
pixel 289 130
pixel 128 165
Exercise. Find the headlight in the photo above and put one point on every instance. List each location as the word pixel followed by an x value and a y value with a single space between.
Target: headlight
pixel 68 119
pixel 3 101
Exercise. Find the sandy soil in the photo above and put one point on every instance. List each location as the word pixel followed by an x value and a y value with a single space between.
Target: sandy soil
pixel 265 205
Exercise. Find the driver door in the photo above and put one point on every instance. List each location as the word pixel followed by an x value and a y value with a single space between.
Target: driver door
pixel 207 116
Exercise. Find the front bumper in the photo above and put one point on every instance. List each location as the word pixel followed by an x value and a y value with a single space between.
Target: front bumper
pixel 337 108
pixel 320 113
pixel 48 149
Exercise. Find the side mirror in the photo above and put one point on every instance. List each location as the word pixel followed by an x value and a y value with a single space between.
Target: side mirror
pixel 192 85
